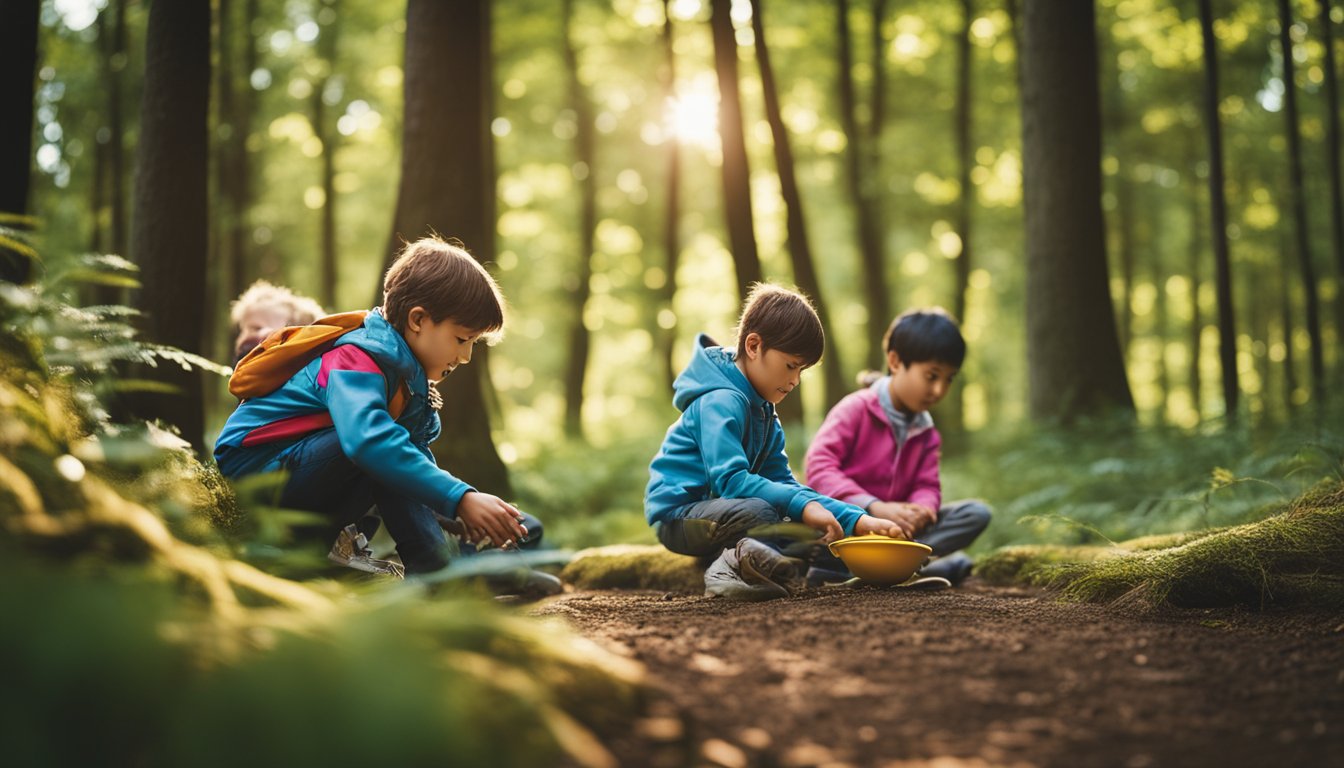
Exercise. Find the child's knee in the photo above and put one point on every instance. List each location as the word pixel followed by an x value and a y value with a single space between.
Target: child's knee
pixel 979 512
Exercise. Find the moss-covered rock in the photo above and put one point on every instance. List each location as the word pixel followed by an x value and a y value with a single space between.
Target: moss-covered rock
pixel 1293 557
pixel 630 566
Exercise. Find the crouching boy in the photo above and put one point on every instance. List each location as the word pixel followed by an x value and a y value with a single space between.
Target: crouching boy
pixel 722 469
pixel 353 426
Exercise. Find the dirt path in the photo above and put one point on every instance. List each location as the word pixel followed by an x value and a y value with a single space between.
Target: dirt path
pixel 972 677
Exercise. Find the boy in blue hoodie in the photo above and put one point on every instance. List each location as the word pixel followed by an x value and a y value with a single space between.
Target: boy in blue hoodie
pixel 722 469
pixel 331 428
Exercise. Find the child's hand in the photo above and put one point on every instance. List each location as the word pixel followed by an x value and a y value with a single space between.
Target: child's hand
pixel 910 518
pixel 869 524
pixel 820 518
pixel 490 517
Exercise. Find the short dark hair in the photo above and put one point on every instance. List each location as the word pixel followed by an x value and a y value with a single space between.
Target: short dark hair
pixel 926 334
pixel 784 319
pixel 447 281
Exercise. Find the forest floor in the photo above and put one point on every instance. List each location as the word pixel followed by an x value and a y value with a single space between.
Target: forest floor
pixel 976 676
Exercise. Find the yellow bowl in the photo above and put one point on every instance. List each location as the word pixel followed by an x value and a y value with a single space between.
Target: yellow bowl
pixel 879 559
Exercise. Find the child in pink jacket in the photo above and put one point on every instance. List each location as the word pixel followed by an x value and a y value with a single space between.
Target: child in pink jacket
pixel 878 448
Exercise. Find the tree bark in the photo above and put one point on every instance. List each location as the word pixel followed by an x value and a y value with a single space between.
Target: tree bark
pixel 1073 356
pixel 576 367
pixel 859 187
pixel 168 231
pixel 667 317
pixel 1222 261
pixel 18 68
pixel 800 250
pixel 322 129
pixel 953 416
pixel 1299 207
pixel 1332 140
pixel 736 170
pixel 448 186
pixel 1195 377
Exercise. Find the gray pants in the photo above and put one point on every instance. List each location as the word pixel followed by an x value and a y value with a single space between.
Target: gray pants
pixel 704 529
pixel 958 524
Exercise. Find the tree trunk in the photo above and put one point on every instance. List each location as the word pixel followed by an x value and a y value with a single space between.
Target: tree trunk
pixel 1195 377
pixel 800 250
pixel 1227 337
pixel 236 107
pixel 859 188
pixel 1073 356
pixel 576 367
pixel 736 172
pixel 448 186
pixel 18 67
pixel 169 231
pixel 1332 140
pixel 322 129
pixel 877 117
pixel 1286 335
pixel 1298 193
pixel 953 417
pixel 667 317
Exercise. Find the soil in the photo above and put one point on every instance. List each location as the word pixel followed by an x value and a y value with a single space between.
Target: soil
pixel 976 676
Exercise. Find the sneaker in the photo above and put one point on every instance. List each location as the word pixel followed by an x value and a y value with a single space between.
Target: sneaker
pixel 751 571
pixel 954 567
pixel 352 550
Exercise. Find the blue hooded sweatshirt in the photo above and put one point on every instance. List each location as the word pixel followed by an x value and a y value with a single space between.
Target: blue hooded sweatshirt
pixel 352 383
pixel 728 444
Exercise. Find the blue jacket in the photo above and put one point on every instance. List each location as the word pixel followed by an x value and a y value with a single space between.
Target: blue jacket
pixel 727 444
pixel 352 382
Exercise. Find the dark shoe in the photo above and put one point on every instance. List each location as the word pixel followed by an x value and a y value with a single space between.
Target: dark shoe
pixel 525 584
pixel 748 572
pixel 352 550
pixel 954 567
pixel 826 577
pixel 762 563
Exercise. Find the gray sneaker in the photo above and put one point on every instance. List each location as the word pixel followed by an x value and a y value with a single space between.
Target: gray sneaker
pixel 352 550
pixel 752 571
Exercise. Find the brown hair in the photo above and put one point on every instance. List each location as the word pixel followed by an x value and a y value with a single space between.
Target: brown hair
pixel 443 278
pixel 785 321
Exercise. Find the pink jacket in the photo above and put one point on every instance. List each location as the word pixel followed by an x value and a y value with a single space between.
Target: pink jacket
pixel 854 458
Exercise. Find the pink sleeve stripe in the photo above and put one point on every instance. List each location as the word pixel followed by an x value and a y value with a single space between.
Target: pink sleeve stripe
pixel 346 357
pixel 285 429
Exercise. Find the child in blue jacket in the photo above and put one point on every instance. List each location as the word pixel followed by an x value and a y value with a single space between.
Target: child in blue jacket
pixel 330 427
pixel 722 469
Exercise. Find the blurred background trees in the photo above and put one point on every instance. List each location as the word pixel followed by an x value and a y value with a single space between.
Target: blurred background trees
pixel 1148 224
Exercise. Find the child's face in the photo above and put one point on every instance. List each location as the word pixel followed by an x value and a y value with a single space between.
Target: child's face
pixel 772 373
pixel 439 347
pixel 256 324
pixel 918 386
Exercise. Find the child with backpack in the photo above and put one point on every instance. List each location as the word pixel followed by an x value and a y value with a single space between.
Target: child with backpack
pixel 722 470
pixel 348 407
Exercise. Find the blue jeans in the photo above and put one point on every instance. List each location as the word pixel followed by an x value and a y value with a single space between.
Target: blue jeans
pixel 704 529
pixel 322 479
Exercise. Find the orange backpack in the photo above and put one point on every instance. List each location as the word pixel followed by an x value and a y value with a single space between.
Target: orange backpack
pixel 285 352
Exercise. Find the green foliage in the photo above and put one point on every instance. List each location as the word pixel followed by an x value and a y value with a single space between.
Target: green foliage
pixel 1295 556
pixel 1102 483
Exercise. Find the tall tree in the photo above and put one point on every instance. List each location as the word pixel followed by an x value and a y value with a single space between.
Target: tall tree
pixel 576 366
pixel 1297 192
pixel 859 186
pixel 667 316
pixel 1194 378
pixel 1332 140
pixel 168 230
pixel 328 29
pixel 963 120
pixel 1073 356
pixel 1227 337
pixel 736 171
pixel 448 185
pixel 237 104
pixel 800 250
pixel 18 67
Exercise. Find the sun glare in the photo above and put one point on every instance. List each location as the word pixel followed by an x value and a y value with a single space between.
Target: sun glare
pixel 693 118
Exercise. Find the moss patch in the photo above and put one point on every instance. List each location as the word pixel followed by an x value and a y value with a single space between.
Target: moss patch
pixel 634 567
pixel 1293 557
